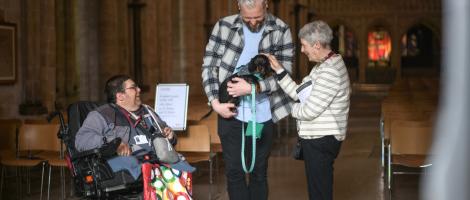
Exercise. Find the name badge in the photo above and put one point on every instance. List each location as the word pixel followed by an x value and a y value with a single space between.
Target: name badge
pixel 141 139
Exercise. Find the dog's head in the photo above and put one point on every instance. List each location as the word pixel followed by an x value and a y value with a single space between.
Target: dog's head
pixel 260 65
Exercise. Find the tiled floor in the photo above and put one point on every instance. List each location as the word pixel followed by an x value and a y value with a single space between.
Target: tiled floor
pixel 358 174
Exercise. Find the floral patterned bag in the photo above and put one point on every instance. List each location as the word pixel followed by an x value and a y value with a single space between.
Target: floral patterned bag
pixel 161 182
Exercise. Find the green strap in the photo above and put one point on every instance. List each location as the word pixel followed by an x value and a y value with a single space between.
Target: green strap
pixel 253 135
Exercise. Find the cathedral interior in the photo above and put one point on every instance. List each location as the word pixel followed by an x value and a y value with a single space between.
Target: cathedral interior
pixel 60 52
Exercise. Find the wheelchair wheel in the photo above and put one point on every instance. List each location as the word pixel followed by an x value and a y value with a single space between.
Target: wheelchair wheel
pixel 78 188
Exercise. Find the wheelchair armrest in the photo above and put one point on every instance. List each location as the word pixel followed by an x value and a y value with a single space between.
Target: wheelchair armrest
pixel 108 150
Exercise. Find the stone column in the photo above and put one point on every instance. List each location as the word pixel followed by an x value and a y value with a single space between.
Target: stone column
pixel 165 43
pixel 30 25
pixel 150 50
pixel 87 49
pixel 47 53
pixel 113 40
pixel 38 50
pixel 396 48
pixel 196 43
pixel 363 50
pixel 179 40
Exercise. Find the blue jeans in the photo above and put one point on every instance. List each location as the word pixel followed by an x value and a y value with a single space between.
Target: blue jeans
pixel 230 137
pixel 129 163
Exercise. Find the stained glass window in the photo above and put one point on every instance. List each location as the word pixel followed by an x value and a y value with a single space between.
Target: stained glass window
pixel 379 48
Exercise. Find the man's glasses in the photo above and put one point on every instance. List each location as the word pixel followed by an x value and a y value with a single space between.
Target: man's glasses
pixel 134 87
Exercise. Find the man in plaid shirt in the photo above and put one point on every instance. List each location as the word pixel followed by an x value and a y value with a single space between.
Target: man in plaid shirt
pixel 233 42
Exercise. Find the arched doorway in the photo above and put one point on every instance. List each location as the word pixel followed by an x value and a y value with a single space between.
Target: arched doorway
pixel 344 42
pixel 419 52
pixel 379 52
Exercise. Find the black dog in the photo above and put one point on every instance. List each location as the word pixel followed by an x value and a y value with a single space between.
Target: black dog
pixel 258 65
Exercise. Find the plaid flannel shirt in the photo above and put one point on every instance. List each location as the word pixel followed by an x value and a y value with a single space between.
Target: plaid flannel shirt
pixel 225 46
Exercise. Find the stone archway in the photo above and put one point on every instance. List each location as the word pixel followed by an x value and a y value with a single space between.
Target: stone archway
pixel 420 51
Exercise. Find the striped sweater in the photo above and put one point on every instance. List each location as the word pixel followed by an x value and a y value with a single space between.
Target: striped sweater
pixel 325 110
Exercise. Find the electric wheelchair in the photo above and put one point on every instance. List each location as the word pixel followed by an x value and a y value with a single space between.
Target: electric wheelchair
pixel 91 174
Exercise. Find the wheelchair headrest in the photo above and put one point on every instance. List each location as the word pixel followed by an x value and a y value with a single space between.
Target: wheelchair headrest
pixel 77 112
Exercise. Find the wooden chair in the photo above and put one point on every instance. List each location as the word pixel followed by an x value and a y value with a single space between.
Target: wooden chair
pixel 398 105
pixel 41 121
pixel 389 106
pixel 211 123
pixel 196 146
pixel 55 158
pixel 216 144
pixel 32 138
pixel 386 121
pixel 197 116
pixel 8 131
pixel 426 106
pixel 409 146
pixel 433 83
pixel 417 84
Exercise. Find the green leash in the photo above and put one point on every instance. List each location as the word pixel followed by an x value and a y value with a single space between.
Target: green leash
pixel 253 135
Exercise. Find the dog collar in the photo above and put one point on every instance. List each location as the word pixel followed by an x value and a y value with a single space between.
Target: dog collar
pixel 258 76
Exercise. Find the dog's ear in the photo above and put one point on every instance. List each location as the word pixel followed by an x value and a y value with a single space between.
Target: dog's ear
pixel 265 71
pixel 269 72
pixel 264 63
pixel 252 67
pixel 259 63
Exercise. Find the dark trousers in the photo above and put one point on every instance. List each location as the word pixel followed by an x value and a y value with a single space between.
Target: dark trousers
pixel 319 157
pixel 231 139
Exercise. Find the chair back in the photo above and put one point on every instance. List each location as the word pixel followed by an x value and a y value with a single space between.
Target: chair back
pixel 389 117
pixel 39 137
pixel 41 121
pixel 398 106
pixel 211 122
pixel 411 137
pixel 8 131
pixel 197 140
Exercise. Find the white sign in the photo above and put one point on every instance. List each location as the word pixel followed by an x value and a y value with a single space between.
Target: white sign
pixel 171 104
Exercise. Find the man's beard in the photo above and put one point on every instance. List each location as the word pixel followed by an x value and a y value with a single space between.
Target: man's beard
pixel 255 29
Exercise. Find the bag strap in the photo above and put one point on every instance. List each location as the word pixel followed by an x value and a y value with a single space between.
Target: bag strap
pixel 154 117
pixel 253 135
pixel 138 125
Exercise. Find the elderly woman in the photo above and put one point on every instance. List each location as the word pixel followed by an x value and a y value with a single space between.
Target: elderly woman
pixel 322 108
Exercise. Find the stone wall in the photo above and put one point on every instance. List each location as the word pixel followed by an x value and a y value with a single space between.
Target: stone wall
pixel 68 49
pixel 396 16
pixel 35 85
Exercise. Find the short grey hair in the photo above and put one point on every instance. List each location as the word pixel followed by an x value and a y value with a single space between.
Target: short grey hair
pixel 250 3
pixel 316 31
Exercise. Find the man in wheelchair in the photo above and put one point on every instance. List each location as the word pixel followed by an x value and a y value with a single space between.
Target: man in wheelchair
pixel 126 120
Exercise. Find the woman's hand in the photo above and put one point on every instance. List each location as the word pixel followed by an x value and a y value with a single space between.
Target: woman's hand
pixel 274 63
